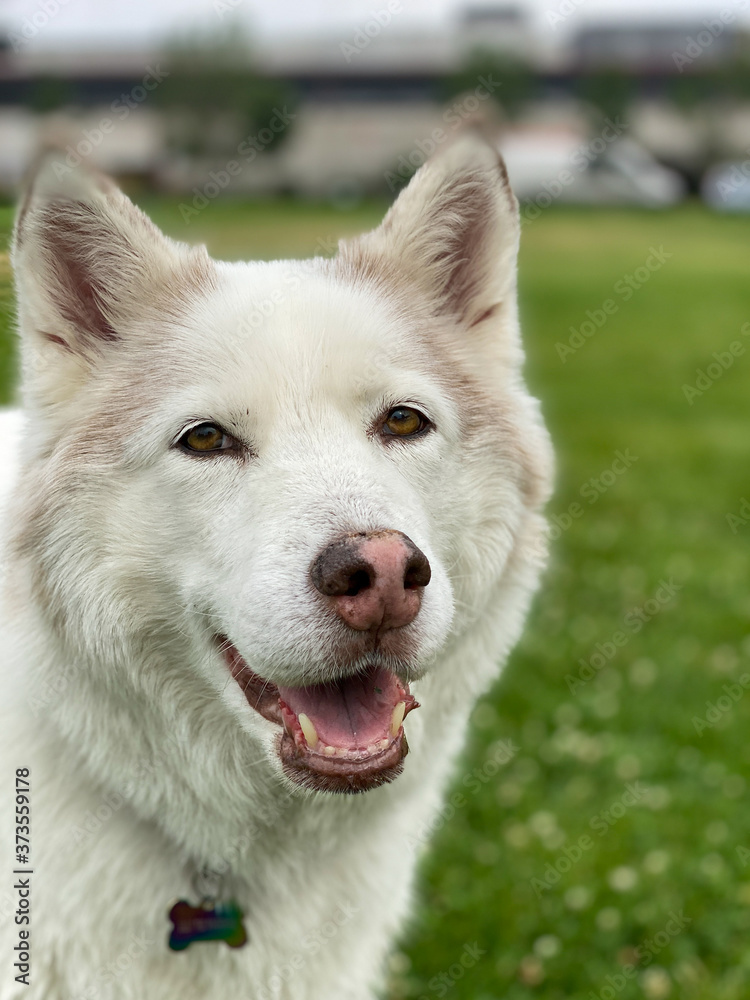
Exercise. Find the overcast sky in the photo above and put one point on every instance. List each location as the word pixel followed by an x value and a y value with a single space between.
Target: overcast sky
pixel 118 23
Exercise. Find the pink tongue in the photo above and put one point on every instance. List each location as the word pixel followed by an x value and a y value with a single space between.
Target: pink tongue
pixel 353 713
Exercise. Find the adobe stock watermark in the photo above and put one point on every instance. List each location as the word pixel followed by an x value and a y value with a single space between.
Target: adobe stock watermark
pixel 123 106
pixel 49 692
pixel 645 953
pixel 443 982
pixel 601 824
pixel 453 116
pixel 263 309
pixel 224 7
pixel 724 360
pixel 474 780
pixel 363 36
pixel 715 711
pixel 112 801
pixel 740 519
pixel 310 945
pixel 247 151
pixel 34 23
pixel 108 974
pixel 592 490
pixel 632 624
pixel 564 10
pixel 581 158
pixel 711 28
pixel 625 288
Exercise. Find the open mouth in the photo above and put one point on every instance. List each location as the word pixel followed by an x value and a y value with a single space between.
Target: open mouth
pixel 342 736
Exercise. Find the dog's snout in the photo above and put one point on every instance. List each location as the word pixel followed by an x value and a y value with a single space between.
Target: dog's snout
pixel 374 580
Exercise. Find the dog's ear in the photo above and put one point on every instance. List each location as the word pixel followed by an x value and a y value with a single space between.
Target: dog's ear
pixel 453 233
pixel 90 269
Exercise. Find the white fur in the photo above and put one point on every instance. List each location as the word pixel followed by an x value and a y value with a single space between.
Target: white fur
pixel 123 557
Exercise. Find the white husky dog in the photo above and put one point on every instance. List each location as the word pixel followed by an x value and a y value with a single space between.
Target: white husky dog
pixel 259 514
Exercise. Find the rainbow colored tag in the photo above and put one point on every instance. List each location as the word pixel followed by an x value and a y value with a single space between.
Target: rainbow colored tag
pixel 222 922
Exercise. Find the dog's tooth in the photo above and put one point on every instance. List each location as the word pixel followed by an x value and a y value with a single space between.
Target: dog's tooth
pixel 373 748
pixel 398 717
pixel 309 730
pixel 384 744
pixel 329 751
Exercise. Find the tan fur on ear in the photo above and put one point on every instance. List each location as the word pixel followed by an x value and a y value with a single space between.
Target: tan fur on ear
pixel 89 264
pixel 452 233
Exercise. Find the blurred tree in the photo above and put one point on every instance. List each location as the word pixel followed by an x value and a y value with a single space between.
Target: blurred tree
pixel 215 100
pixel 514 83
pixel 48 93
pixel 686 91
pixel 727 80
pixel 610 90
pixel 732 77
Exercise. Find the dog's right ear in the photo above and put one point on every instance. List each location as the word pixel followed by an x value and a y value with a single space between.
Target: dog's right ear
pixel 91 270
pixel 453 235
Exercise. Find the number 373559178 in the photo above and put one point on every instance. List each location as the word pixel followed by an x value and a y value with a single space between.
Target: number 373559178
pixel 23 813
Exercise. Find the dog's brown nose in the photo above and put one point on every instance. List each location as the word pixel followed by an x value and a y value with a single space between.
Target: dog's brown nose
pixel 374 579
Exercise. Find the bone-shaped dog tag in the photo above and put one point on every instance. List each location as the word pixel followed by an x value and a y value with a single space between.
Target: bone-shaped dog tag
pixel 222 922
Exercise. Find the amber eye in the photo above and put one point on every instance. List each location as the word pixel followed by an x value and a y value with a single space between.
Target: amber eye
pixel 405 422
pixel 205 438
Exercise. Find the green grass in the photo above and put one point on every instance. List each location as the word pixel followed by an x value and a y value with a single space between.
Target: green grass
pixel 673 846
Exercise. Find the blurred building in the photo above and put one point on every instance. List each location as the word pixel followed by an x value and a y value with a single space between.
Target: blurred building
pixel 656 47
pixel 373 103
pixel 505 29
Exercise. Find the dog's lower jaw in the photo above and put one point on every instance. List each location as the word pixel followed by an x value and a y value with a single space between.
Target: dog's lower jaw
pixel 321 773
pixel 361 744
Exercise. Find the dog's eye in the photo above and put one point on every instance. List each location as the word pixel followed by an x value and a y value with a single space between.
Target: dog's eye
pixel 405 421
pixel 205 438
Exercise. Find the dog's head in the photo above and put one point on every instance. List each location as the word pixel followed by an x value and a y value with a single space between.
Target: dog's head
pixel 281 487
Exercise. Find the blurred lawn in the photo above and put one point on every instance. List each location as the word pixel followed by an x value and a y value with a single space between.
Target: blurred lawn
pixel 670 845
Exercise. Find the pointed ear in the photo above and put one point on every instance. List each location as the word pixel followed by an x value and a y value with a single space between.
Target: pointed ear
pixel 90 269
pixel 453 233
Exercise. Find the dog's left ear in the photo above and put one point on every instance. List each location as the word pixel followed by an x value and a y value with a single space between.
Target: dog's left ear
pixel 90 269
pixel 452 233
